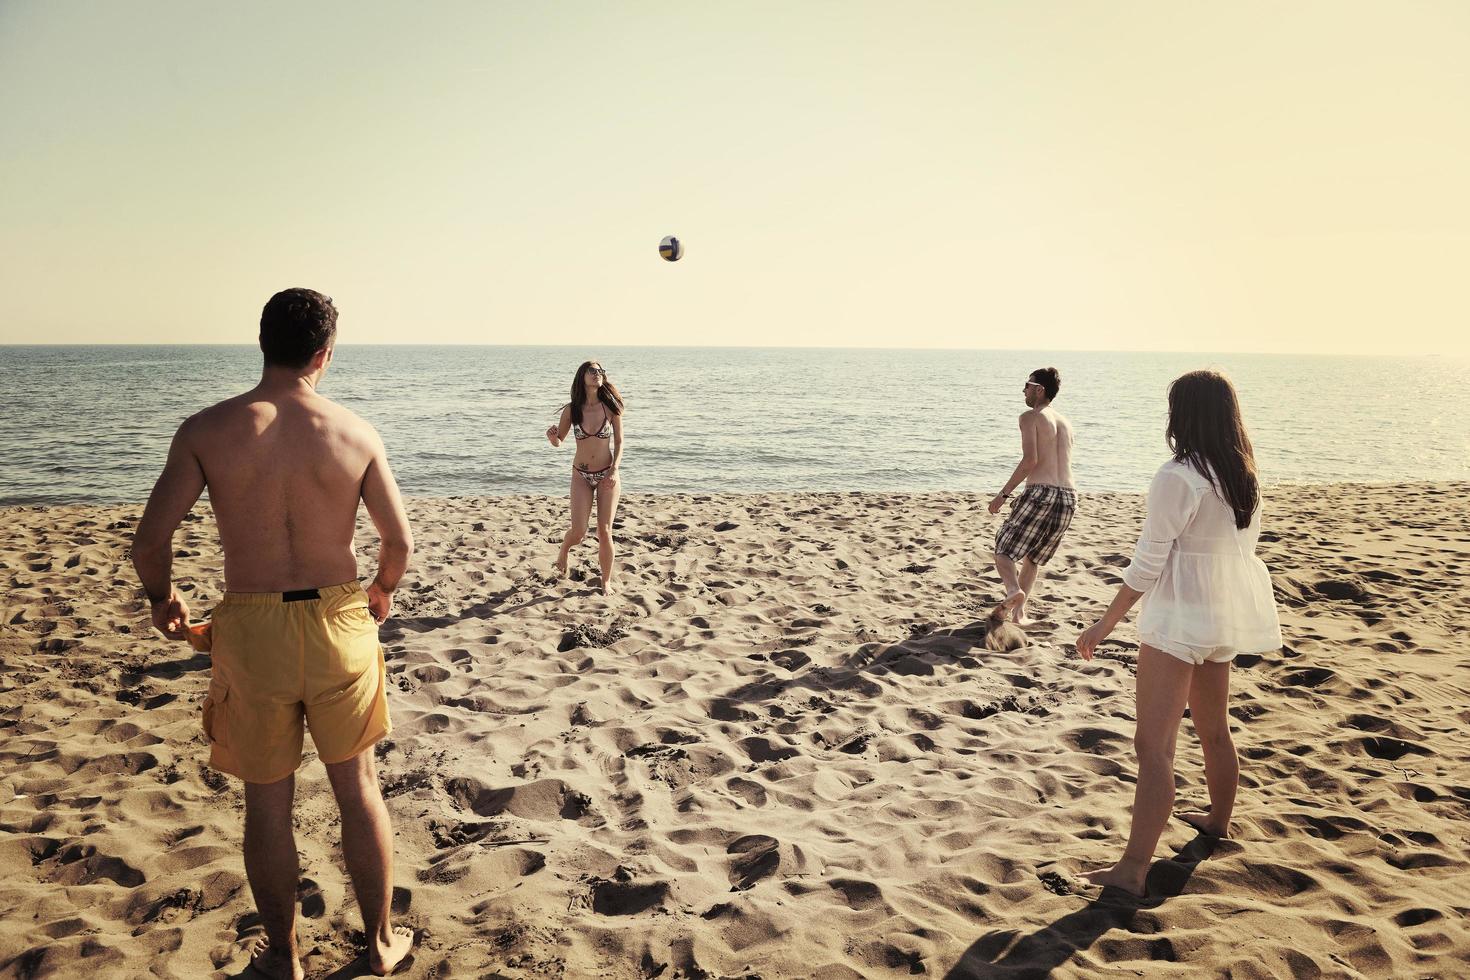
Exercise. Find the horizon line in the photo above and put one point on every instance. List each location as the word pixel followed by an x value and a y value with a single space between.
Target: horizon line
pixel 811 347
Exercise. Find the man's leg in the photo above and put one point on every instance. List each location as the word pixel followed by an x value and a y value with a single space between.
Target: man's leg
pixel 1008 578
pixel 1163 688
pixel 367 844
pixel 272 868
pixel 1029 569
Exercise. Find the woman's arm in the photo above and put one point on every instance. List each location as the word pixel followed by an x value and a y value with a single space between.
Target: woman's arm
pixel 1098 631
pixel 617 421
pixel 556 433
pixel 1172 503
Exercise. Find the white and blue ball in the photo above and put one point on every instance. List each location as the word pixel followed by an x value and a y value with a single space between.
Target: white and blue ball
pixel 671 249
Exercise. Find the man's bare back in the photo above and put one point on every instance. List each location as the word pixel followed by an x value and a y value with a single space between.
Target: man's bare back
pixel 285 471
pixel 285 468
pixel 1053 447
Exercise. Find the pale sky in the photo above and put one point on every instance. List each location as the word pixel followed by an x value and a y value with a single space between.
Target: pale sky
pixel 1130 176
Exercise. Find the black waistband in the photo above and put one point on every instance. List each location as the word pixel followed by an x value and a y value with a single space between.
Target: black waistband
pixel 300 595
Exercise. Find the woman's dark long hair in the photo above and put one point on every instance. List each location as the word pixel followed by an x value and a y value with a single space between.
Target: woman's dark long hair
pixel 606 393
pixel 1206 431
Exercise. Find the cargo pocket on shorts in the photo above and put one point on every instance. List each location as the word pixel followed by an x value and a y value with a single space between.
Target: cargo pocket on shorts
pixel 214 711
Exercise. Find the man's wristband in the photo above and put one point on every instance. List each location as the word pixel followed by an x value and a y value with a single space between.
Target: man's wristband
pixel 155 601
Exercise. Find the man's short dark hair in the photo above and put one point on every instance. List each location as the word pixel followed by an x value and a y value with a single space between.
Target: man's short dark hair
pixel 295 324
pixel 1050 380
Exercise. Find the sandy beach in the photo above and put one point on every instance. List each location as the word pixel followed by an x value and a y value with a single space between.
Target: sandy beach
pixel 781 751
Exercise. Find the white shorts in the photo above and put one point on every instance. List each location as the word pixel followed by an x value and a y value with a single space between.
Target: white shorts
pixel 1190 653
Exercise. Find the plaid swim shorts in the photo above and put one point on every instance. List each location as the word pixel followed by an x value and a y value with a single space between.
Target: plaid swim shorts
pixel 1038 519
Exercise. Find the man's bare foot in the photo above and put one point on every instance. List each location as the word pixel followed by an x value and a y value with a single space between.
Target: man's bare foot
pixel 1125 875
pixel 266 962
pixel 1206 824
pixel 1016 603
pixel 385 959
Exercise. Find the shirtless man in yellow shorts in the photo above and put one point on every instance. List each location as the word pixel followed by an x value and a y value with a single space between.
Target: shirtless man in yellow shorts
pixel 295 638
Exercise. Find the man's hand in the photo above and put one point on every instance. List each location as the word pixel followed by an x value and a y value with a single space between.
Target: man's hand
pixel 171 617
pixel 996 503
pixel 380 601
pixel 1090 638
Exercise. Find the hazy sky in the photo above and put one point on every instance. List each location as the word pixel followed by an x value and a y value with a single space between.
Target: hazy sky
pixel 1175 176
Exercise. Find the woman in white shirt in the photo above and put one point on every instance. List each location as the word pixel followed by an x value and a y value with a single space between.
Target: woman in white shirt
pixel 1206 597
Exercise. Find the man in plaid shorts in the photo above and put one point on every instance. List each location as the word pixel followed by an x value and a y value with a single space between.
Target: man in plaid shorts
pixel 1043 512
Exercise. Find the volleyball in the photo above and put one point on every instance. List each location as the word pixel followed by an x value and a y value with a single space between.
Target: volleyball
pixel 671 248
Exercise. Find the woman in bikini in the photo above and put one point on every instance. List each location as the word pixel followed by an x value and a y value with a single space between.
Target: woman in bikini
pixel 1206 598
pixel 595 417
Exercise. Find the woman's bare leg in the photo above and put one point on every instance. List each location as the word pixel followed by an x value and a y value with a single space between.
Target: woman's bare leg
pixel 1209 696
pixel 581 511
pixel 607 509
pixel 1163 690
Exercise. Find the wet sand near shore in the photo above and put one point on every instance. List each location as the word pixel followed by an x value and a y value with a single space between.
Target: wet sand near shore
pixel 781 750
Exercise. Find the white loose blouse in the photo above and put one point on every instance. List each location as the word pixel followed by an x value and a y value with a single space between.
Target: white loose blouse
pixel 1201 581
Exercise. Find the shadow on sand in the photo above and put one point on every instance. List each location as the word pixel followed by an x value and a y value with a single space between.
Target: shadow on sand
pixel 1007 953
pixel 919 654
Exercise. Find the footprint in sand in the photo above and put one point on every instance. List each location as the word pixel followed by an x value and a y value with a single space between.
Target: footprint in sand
pixel 1391 749
pixel 621 895
pixel 752 857
pixel 83 864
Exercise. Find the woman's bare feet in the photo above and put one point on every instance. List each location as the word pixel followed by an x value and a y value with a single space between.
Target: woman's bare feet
pixel 385 959
pixel 277 966
pixel 1126 875
pixel 1206 824
pixel 561 567
pixel 607 586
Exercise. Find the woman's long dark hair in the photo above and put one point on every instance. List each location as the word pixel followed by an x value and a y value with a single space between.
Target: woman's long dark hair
pixel 1206 431
pixel 606 393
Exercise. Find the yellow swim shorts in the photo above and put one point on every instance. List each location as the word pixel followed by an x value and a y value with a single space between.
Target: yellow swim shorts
pixel 283 658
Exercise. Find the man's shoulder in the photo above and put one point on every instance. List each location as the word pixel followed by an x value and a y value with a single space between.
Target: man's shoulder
pixel 349 423
pixel 215 415
pixel 1042 414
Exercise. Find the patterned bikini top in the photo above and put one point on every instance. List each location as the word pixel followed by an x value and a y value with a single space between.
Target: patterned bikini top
pixel 604 433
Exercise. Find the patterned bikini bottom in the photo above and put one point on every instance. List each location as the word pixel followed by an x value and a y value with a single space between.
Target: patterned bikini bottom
pixel 593 477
